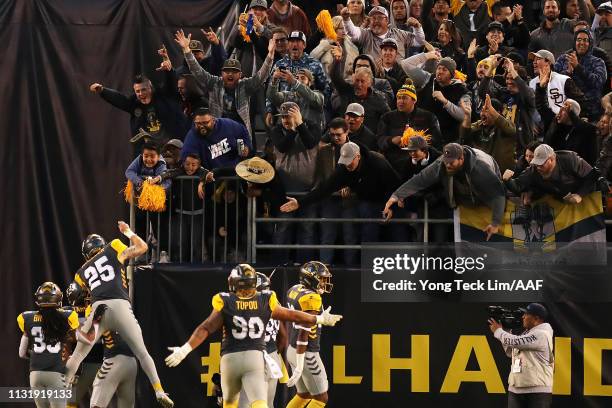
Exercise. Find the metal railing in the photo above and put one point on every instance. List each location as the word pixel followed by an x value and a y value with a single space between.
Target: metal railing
pixel 187 232
pixel 258 220
pixel 216 248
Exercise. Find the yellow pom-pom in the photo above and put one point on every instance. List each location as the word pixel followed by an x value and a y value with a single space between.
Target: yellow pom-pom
pixel 325 24
pixel 460 76
pixel 152 198
pixel 128 190
pixel 244 34
pixel 410 133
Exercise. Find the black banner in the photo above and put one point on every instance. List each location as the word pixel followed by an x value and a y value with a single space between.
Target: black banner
pixel 439 353
pixel 64 150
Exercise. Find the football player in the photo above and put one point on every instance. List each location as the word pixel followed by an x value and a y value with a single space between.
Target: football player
pixel 310 379
pixel 103 274
pixel 276 343
pixel 79 300
pixel 117 374
pixel 46 331
pixel 244 313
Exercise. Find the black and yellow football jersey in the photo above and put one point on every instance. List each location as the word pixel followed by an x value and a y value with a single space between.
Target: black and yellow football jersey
pixel 301 298
pixel 104 275
pixel 115 345
pixel 96 354
pixel 244 320
pixel 272 329
pixel 44 357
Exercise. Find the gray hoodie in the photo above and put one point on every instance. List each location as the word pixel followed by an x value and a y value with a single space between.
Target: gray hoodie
pixel 481 174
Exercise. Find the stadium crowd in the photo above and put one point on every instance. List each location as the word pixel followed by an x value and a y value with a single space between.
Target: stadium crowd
pixel 371 109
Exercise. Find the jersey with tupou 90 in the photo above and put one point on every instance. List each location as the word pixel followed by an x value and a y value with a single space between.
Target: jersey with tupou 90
pixel 44 356
pixel 104 275
pixel 244 320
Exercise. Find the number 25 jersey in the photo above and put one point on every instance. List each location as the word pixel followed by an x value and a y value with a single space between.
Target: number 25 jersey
pixel 244 320
pixel 104 275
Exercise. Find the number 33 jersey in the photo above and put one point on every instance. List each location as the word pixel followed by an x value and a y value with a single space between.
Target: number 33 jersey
pixel 244 320
pixel 44 356
pixel 104 275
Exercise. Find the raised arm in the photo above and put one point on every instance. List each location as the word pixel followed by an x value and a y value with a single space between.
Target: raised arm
pixel 203 78
pixel 137 247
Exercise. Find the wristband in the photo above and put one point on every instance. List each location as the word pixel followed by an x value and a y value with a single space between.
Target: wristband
pixel 128 233
pixel 186 348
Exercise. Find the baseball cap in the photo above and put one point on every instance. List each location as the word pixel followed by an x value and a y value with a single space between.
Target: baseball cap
pixel 348 152
pixel 389 42
pixel 174 142
pixel 379 10
pixel 416 143
pixel 355 109
pixel 452 152
pixel 297 35
pixel 542 153
pixel 232 64
pixel 495 25
pixel 284 108
pixel 195 45
pixel 259 3
pixel 535 309
pixel 544 54
pixel 604 8
pixel 516 57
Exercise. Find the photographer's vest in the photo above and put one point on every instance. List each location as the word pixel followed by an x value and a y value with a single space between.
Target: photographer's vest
pixel 533 372
pixel 555 92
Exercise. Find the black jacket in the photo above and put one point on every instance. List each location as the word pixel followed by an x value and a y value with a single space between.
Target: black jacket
pixel 396 77
pixel 393 123
pixel 580 137
pixel 374 180
pixel 365 137
pixel 166 111
pixel 453 92
pixel 571 175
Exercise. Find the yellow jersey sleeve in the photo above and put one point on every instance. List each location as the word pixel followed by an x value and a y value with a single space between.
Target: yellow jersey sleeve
pixel 311 302
pixel 273 302
pixel 118 246
pixel 87 310
pixel 79 281
pixel 21 322
pixel 73 320
pixel 217 302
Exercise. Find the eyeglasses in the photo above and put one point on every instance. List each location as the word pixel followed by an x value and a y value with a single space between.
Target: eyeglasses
pixel 585 40
pixel 281 40
pixel 377 18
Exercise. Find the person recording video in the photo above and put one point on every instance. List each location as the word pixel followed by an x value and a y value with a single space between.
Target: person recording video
pixel 531 372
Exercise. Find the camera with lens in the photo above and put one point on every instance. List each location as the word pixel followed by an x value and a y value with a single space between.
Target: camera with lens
pixel 508 318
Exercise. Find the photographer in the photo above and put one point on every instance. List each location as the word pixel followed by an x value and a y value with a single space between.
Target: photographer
pixel 531 373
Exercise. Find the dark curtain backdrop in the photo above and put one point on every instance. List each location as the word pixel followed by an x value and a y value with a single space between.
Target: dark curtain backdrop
pixel 64 150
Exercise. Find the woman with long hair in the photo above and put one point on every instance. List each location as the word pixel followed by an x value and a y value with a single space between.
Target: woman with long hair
pixel 449 43
pixel 357 11
pixel 46 332
pixel 323 51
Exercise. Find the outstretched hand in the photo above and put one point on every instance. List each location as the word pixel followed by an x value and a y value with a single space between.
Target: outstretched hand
pixel 388 212
pixel 290 206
